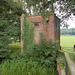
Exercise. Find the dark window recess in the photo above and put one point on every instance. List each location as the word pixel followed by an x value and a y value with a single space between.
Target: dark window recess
pixel 47 20
pixel 56 25
pixel 36 24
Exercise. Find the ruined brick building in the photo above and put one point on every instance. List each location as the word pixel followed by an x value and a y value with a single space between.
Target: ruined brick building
pixel 49 26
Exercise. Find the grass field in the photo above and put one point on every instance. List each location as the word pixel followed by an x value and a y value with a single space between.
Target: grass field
pixel 15 47
pixel 67 40
pixel 67 43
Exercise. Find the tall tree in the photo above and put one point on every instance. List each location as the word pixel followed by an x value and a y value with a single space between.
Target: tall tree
pixel 9 24
pixel 65 7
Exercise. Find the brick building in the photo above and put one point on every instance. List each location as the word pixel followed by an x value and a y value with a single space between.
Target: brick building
pixel 50 26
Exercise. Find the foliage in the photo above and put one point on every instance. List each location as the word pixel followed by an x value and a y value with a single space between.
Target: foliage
pixel 11 12
pixel 46 51
pixel 44 15
pixel 20 67
pixel 72 56
pixel 70 31
pixel 61 6
pixel 6 5
pixel 36 60
pixel 28 37
pixel 61 59
pixel 4 39
pixel 9 25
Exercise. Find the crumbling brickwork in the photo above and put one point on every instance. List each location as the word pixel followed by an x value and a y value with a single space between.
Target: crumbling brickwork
pixel 51 29
pixel 49 26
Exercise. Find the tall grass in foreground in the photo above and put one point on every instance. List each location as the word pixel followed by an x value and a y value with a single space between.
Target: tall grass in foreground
pixel 20 67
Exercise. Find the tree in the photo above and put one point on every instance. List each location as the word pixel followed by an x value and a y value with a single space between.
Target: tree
pixel 4 39
pixel 9 24
pixel 65 7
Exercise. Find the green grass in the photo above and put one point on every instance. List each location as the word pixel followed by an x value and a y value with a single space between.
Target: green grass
pixel 67 43
pixel 67 40
pixel 15 47
pixel 72 56
pixel 20 67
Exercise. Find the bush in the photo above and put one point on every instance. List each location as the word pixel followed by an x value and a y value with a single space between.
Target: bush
pixel 40 62
pixel 46 51
pixel 72 56
pixel 4 39
pixel 61 59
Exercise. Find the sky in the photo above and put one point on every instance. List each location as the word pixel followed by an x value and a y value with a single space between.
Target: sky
pixel 71 22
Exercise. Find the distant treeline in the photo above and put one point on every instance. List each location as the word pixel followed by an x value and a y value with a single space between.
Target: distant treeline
pixel 70 31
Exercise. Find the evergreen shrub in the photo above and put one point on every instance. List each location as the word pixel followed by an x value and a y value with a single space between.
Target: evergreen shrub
pixel 4 39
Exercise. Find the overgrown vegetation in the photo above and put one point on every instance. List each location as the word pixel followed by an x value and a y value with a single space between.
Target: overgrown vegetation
pixel 21 67
pixel 36 59
pixel 61 59
pixel 72 56
pixel 4 40
pixel 46 51
pixel 28 37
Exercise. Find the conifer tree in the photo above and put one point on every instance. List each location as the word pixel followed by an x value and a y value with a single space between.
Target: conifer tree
pixel 4 39
pixel 9 24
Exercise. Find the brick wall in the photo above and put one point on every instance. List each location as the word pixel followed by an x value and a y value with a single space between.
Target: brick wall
pixel 50 29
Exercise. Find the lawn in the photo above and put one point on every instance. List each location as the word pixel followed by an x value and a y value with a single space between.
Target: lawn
pixel 67 40
pixel 15 47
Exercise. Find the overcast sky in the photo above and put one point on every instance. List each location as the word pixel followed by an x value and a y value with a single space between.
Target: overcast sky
pixel 71 22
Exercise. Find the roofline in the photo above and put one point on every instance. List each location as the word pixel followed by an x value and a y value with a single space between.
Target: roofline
pixel 33 15
pixel 41 16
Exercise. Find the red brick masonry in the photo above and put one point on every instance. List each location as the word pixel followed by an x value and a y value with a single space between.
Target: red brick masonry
pixel 51 29
pixel 59 69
